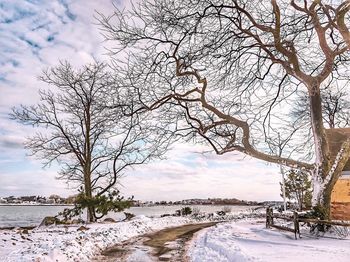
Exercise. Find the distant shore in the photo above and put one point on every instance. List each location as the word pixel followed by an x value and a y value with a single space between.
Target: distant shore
pixel 36 205
pixel 139 205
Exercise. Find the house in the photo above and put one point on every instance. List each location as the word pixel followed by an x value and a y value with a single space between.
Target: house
pixel 340 198
pixel 12 200
pixel 340 209
pixel 27 199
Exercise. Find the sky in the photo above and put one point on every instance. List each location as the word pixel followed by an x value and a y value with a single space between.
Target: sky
pixel 37 34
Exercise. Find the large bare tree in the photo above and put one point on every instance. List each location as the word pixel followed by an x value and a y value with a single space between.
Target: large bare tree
pixel 235 69
pixel 335 106
pixel 91 141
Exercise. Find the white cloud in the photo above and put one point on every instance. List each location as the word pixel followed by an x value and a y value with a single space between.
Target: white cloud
pixel 191 175
pixel 37 34
pixel 33 182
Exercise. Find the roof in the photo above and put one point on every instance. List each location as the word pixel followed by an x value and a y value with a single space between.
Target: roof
pixel 336 136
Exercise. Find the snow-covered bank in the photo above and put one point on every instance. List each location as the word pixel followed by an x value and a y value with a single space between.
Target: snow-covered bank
pixel 249 240
pixel 60 243
pixel 69 244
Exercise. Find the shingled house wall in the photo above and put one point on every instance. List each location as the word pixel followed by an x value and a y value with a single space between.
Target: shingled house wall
pixel 340 206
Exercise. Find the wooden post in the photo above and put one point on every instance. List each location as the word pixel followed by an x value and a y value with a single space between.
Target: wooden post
pixel 267 217
pixel 296 225
pixel 271 213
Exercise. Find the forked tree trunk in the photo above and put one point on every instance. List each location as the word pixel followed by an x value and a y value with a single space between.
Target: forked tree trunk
pixel 322 192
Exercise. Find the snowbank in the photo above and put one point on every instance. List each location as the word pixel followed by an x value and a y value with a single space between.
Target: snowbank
pixel 249 240
pixel 69 244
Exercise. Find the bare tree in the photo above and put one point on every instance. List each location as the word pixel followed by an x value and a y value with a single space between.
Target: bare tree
pixel 335 106
pixel 91 141
pixel 233 69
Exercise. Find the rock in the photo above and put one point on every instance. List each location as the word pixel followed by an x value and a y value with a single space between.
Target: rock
pixel 77 221
pixel 83 228
pixel 109 220
pixel 7 228
pixel 49 221
pixel 128 216
pixel 25 231
pixel 165 257
pixel 221 213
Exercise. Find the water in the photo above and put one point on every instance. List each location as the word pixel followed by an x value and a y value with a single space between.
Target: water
pixel 26 215
pixel 33 215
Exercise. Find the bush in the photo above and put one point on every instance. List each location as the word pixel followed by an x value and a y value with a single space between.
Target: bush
pixel 318 212
pixel 185 211
pixel 101 204
pixel 226 209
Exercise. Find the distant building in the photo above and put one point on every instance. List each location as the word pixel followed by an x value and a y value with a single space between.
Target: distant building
pixel 41 200
pixel 12 200
pixel 27 199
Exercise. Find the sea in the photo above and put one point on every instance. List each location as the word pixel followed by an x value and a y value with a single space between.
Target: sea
pixel 31 215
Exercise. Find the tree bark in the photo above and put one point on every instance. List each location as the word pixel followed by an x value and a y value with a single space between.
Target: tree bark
pixel 88 195
pixel 87 173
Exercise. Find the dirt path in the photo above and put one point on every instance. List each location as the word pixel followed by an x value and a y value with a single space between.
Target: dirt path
pixel 164 245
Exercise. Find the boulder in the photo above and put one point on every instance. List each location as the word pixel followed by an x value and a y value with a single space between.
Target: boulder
pixel 47 221
pixel 83 228
pixel 109 220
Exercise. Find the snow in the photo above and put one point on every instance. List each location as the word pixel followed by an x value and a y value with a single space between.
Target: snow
pixel 317 188
pixel 319 185
pixel 246 239
pixel 59 243
pixel 249 240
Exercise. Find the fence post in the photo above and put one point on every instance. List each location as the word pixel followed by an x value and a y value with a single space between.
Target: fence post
pixel 296 224
pixel 267 217
pixel 271 212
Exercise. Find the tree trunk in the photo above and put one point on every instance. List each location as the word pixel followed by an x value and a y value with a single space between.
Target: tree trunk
pixel 87 173
pixel 320 138
pixel 90 215
pixel 301 199
pixel 322 183
pixel 322 192
pixel 88 194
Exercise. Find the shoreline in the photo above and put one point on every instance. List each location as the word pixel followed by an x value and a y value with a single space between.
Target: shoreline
pixel 76 244
pixel 10 222
pixel 36 205
pixel 137 205
pixel 83 243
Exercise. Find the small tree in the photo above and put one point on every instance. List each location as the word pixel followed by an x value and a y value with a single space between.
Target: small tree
pixel 298 187
pixel 91 141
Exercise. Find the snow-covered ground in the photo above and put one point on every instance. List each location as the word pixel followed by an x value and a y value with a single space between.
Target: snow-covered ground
pixel 243 240
pixel 68 244
pixel 60 243
pixel 249 240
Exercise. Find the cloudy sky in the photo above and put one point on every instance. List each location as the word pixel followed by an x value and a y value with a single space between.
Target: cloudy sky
pixel 36 34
